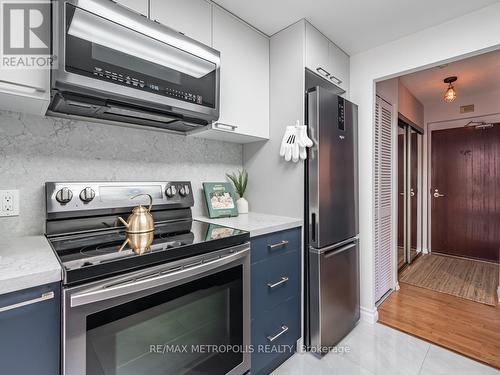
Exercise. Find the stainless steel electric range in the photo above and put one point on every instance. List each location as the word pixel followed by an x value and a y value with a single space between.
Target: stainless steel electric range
pixel 181 307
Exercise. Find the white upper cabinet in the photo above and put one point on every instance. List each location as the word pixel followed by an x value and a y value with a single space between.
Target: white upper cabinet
pixel 325 58
pixel 317 54
pixel 190 17
pixel 25 90
pixel 338 65
pixel 140 6
pixel 244 80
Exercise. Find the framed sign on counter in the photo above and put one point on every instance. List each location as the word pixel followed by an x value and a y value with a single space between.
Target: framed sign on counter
pixel 221 199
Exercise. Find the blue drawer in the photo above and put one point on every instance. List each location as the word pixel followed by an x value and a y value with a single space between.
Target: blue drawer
pixel 271 324
pixel 274 281
pixel 274 244
pixel 30 334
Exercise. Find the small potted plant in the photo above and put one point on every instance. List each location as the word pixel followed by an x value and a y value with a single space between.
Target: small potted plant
pixel 240 182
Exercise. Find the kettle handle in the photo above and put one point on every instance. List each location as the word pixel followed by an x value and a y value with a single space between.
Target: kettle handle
pixel 150 199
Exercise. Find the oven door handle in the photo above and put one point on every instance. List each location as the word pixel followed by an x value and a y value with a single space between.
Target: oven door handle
pixel 158 279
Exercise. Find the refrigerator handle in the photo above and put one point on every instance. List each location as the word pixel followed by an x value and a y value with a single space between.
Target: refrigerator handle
pixel 313 227
pixel 328 254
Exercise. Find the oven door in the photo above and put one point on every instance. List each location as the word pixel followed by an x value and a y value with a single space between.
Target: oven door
pixel 187 317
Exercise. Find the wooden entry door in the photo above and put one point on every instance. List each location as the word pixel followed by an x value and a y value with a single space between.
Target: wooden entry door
pixel 465 192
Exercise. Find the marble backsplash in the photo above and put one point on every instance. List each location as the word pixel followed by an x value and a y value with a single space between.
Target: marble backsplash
pixel 36 149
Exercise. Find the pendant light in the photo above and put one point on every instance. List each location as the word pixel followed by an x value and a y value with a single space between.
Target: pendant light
pixel 450 94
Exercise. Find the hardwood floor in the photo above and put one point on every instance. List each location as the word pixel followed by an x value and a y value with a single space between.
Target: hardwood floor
pixel 466 327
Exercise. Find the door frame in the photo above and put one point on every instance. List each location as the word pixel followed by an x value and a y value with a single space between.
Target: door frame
pixel 434 126
pixel 409 126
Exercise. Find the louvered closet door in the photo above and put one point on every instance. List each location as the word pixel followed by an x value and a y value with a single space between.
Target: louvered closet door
pixel 383 198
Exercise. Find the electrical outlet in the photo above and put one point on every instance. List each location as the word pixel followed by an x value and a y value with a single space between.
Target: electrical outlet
pixel 9 202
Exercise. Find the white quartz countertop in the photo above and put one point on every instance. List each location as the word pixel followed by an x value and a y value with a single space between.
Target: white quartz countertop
pixel 26 262
pixel 255 223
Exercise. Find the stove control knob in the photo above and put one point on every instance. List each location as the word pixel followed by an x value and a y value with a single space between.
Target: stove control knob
pixel 64 195
pixel 87 195
pixel 171 191
pixel 184 191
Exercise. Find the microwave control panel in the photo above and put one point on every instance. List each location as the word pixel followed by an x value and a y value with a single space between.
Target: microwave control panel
pixel 141 84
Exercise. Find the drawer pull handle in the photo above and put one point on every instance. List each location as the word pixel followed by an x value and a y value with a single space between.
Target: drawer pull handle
pixel 283 331
pixel 21 87
pixel 278 245
pixel 323 72
pixel 283 280
pixel 222 126
pixel 43 297
pixel 333 78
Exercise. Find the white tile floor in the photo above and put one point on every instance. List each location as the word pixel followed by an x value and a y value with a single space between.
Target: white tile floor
pixel 380 350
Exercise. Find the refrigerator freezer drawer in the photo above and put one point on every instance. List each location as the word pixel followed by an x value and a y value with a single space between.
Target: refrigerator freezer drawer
pixel 334 294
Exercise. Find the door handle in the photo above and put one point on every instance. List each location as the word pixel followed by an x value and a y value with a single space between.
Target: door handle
pixel 437 194
pixel 158 279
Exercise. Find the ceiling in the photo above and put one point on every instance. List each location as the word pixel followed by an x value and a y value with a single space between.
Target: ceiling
pixel 354 25
pixel 476 75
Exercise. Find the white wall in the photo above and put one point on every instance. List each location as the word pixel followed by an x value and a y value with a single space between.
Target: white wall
pixel 464 36
pixel 409 106
pixel 276 186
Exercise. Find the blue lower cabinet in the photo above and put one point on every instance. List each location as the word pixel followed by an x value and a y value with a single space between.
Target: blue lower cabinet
pixel 276 312
pixel 274 336
pixel 30 331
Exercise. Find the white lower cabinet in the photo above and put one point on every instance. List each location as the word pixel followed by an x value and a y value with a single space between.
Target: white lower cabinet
pixel 244 81
pixel 25 90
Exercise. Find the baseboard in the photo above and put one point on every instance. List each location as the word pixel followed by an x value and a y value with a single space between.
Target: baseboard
pixel 369 315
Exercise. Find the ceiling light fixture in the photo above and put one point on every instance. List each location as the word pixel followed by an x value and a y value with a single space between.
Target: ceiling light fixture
pixel 450 94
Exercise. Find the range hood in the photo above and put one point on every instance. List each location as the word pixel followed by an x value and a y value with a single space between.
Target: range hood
pixel 118 66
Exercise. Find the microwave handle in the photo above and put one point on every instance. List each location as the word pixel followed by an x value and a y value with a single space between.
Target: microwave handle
pixel 158 279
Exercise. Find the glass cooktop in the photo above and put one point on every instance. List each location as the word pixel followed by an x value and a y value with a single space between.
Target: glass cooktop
pixel 97 254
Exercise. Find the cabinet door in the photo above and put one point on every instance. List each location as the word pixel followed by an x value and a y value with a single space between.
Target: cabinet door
pixel 338 66
pixel 190 17
pixel 317 55
pixel 30 331
pixel 140 6
pixel 244 76
pixel 25 90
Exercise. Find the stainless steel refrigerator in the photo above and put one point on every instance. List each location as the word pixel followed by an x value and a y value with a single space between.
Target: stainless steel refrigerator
pixel 331 215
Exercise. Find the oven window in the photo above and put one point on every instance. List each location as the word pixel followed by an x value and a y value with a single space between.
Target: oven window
pixel 170 332
pixel 105 50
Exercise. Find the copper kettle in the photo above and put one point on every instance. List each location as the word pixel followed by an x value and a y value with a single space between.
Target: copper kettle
pixel 139 227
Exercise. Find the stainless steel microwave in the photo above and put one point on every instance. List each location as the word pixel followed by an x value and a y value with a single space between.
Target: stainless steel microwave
pixel 116 65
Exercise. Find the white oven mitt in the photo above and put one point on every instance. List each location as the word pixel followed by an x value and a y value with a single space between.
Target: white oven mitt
pixel 303 140
pixel 289 131
pixel 294 143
